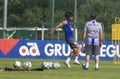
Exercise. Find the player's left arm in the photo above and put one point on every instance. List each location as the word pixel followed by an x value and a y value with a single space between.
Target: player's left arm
pixel 101 36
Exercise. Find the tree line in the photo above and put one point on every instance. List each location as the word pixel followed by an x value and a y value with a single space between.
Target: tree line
pixel 32 13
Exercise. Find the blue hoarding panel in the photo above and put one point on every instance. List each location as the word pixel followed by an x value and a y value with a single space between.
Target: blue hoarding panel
pixel 48 49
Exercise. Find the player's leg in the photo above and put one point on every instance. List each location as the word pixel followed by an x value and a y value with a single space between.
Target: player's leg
pixel 96 52
pixel 67 61
pixel 96 62
pixel 77 52
pixel 87 59
pixel 74 46
pixel 69 41
pixel 69 57
pixel 88 49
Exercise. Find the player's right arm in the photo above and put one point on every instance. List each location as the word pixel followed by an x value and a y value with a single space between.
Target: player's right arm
pixel 61 24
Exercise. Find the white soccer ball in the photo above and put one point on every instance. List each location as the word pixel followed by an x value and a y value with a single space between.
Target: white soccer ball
pixel 27 64
pixel 17 64
pixel 45 65
pixel 50 64
pixel 56 65
pixel 83 63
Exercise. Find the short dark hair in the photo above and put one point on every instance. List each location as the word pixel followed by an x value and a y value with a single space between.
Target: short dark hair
pixel 93 15
pixel 68 14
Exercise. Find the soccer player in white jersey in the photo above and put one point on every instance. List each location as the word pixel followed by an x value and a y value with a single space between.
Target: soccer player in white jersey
pixel 92 37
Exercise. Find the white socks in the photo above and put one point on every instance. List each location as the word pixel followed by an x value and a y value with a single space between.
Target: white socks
pixel 96 65
pixel 68 59
pixel 76 59
pixel 87 65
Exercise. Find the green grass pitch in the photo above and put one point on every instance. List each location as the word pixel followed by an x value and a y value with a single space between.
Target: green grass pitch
pixel 107 70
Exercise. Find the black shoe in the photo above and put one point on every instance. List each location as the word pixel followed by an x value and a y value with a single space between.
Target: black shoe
pixel 96 69
pixel 84 67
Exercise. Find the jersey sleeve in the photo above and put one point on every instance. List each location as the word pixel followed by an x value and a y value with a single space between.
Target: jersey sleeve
pixel 100 30
pixel 85 27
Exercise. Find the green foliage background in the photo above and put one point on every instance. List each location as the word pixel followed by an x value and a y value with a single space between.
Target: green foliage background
pixel 32 13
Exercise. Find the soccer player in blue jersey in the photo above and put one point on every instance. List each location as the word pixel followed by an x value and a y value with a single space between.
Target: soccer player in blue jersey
pixel 66 26
pixel 93 35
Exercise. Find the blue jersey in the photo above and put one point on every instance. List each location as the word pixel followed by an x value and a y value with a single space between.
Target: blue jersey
pixel 67 30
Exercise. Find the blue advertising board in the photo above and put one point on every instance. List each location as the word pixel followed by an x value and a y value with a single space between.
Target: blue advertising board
pixel 48 49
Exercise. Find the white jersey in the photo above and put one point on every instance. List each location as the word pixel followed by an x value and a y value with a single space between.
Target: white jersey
pixel 92 29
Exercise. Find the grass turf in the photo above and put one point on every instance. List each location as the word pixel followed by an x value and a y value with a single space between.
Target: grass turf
pixel 107 70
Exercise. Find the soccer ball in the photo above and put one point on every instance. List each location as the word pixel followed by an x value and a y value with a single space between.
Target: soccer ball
pixel 45 65
pixel 50 64
pixel 56 65
pixel 17 64
pixel 27 65
pixel 83 63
